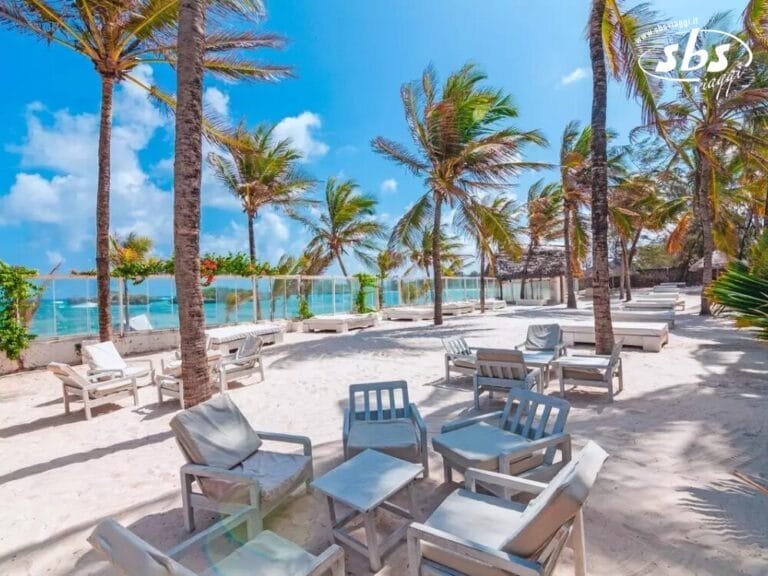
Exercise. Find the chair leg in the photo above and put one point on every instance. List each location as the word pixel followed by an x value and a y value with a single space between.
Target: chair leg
pixel 189 512
pixel 447 370
pixel 135 393
pixel 578 545
pixel 414 556
pixel 562 382
pixel 621 375
pixel 477 393
pixel 87 406
pixel 66 399
pixel 261 368
pixel 447 472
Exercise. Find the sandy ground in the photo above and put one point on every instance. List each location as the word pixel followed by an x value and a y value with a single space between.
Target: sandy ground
pixel 665 503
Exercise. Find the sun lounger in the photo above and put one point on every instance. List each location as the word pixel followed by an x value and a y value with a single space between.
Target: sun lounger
pixel 500 370
pixel 228 465
pixel 666 289
pixel 140 323
pixel 93 390
pixel 679 303
pixel 459 357
pixel 103 359
pixel 266 554
pixel 650 336
pixel 491 304
pixel 243 363
pixel 457 308
pixel 650 304
pixel 472 534
pixel 340 322
pixel 597 371
pixel 228 338
pixel 409 313
pixel 169 381
pixel 630 315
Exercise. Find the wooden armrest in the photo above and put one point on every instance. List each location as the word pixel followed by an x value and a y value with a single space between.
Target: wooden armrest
pixel 472 550
pixel 215 473
pixel 418 420
pixel 474 475
pixel 563 440
pixel 324 562
pixel 464 422
pixel 110 382
pixel 347 425
pixel 288 439
pixel 214 531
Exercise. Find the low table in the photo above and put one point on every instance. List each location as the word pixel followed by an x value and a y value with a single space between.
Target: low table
pixel 365 483
pixel 541 360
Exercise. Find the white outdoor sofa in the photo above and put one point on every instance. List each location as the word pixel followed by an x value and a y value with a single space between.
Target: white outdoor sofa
pixel 457 308
pixel 493 304
pixel 675 299
pixel 228 339
pixel 410 313
pixel 650 336
pixel 650 304
pixel 629 315
pixel 340 322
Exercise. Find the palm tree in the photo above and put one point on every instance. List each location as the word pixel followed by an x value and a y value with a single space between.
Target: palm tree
pixel 462 149
pixel 544 207
pixel 756 23
pixel 119 36
pixel 261 171
pixel 497 213
pixel 126 256
pixel 347 224
pixel 387 261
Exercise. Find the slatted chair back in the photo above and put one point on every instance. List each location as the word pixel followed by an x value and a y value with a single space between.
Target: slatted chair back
pixel 376 401
pixel 248 352
pixel 615 354
pixel 67 375
pixel 457 346
pixel 501 364
pixel 535 416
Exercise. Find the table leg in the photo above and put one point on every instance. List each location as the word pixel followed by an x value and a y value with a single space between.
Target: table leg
pixel 332 516
pixel 415 512
pixel 372 541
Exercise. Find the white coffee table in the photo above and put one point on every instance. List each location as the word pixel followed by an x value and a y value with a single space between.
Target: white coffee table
pixel 365 483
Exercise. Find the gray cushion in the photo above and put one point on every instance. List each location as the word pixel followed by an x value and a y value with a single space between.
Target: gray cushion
pixel 266 555
pixel 558 503
pixel 477 446
pixel 468 361
pixel 278 474
pixel 513 359
pixel 394 437
pixel 585 367
pixel 543 337
pixel 215 433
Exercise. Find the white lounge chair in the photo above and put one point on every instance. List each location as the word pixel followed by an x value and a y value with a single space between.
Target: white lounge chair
pixel 92 391
pixel 630 315
pixel 458 308
pixel 169 381
pixel 595 371
pixel 243 363
pixel 412 313
pixel 340 322
pixel 650 336
pixel 459 357
pixel 472 534
pixel 226 339
pixel 264 555
pixel 140 323
pixel 501 370
pixel 103 359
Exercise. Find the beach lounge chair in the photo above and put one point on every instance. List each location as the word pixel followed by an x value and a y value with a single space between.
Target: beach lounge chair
pixel 243 363
pixel 458 308
pixel 227 339
pixel 169 381
pixel 340 322
pixel 227 464
pixel 92 391
pixel 650 336
pixel 501 370
pixel 629 315
pixel 103 359
pixel 380 417
pixel 543 343
pixel 411 313
pixel 596 371
pixel 139 323
pixel 523 438
pixel 471 534
pixel 265 555
pixel 665 289
pixel 459 357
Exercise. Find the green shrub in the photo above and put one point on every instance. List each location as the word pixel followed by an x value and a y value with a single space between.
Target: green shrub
pixel 17 302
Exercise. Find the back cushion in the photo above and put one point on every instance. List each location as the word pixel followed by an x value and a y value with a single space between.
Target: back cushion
pixel 104 356
pixel 215 433
pixel 543 336
pixel 513 357
pixel 558 503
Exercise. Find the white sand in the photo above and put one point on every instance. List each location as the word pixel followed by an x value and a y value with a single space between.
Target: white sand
pixel 666 502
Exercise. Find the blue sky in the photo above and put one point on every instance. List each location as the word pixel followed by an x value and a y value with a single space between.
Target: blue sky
pixel 350 58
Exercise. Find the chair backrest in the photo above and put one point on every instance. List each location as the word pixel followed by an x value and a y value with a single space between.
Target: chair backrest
pixel 132 555
pixel 558 504
pixel 215 433
pixel 67 375
pixel 501 364
pixel 104 356
pixel 616 351
pixel 457 346
pixel 249 350
pixel 140 322
pixel 543 336
pixel 535 416
pixel 379 401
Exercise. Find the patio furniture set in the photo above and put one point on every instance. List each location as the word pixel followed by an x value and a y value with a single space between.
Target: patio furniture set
pixel 481 529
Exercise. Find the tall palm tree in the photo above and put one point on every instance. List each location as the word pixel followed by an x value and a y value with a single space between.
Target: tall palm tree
pixel 261 171
pixel 418 251
pixel 387 261
pixel 346 224
pixel 756 23
pixel 498 213
pixel 464 146
pixel 126 256
pixel 119 36
pixel 544 208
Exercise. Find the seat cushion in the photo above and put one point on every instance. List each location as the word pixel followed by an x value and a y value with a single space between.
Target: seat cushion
pixel 584 367
pixel 278 475
pixel 215 433
pixel 137 371
pixel 107 389
pixel 477 446
pixel 104 356
pixel 266 555
pixel 394 437
pixel 486 520
pixel 468 361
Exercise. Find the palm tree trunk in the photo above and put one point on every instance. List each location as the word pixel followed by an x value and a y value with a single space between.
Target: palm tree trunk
pixel 341 264
pixel 102 210
pixel 186 206
pixel 569 284
pixel 252 251
pixel 436 261
pixel 482 282
pixel 705 219
pixel 600 271
pixel 526 265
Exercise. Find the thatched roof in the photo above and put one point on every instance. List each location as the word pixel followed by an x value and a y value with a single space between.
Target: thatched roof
pixel 719 261
pixel 545 263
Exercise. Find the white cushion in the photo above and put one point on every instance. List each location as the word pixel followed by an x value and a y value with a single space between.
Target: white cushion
pixel 104 356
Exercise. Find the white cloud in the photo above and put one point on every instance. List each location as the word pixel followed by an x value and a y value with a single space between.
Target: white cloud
pixel 389 186
pixel 217 101
pixel 574 76
pixel 301 130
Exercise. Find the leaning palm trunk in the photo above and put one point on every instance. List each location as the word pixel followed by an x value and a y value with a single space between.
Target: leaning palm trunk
pixel 102 211
pixel 524 275
pixel 600 270
pixel 482 282
pixel 705 219
pixel 436 264
pixel 569 283
pixel 186 206
pixel 252 252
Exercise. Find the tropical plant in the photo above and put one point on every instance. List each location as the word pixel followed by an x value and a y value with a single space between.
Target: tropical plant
pixel 117 37
pixel 303 309
pixel 387 261
pixel 347 223
pixel 128 257
pixel 17 296
pixel 463 146
pixel 261 171
pixel 544 208
pixel 366 284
